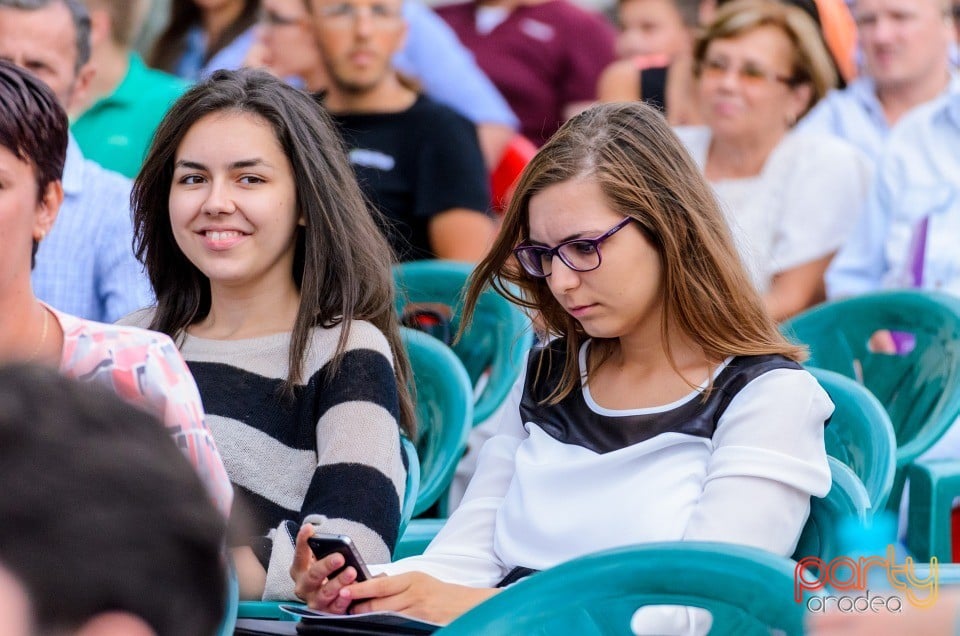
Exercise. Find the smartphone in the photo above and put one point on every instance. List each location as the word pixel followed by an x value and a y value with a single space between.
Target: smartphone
pixel 326 544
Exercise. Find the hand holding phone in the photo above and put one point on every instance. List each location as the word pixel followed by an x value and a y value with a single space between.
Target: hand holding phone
pixel 324 545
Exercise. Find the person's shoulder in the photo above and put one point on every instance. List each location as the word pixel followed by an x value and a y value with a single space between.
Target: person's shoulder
pixel 770 375
pixel 619 81
pixel 139 318
pixel 129 332
pixel 929 116
pixel 431 111
pixel 818 145
pixel 363 335
pixel 148 80
pixel 102 182
pixel 820 153
pixel 696 139
pixel 161 83
pixel 437 122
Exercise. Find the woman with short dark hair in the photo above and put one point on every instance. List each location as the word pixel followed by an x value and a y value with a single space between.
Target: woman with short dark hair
pixel 142 367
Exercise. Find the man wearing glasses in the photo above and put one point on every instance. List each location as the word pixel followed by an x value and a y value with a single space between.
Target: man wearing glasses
pixel 418 161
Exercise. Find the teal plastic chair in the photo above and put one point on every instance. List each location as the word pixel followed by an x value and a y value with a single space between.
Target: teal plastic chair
pixel 860 434
pixel 444 405
pixel 494 346
pixel 748 591
pixel 934 484
pixel 412 491
pixel 920 387
pixel 230 609
pixel 847 498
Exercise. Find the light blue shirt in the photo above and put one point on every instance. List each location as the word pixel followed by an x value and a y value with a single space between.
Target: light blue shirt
pixel 434 56
pixel 856 115
pixel 918 178
pixel 86 266
pixel 191 67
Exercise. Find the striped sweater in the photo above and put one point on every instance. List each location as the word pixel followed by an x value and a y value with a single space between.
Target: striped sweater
pixel 334 450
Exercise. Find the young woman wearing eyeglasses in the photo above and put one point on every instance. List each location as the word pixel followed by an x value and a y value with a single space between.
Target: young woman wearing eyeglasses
pixel 791 198
pixel 271 275
pixel 666 406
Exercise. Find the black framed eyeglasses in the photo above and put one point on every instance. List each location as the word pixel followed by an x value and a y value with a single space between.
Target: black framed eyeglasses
pixel 580 255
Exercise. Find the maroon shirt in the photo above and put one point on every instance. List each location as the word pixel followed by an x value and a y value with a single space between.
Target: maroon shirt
pixel 541 58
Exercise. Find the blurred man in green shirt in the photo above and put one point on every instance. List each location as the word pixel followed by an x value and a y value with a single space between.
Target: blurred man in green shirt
pixel 127 99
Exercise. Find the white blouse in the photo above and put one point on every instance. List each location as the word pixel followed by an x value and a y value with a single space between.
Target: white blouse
pixel 801 207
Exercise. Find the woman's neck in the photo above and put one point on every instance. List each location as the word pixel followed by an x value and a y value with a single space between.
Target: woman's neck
pixel 241 314
pixel 216 21
pixel 741 157
pixel 29 332
pixel 641 374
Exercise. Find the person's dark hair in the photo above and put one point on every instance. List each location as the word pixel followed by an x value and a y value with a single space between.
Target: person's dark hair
pixel 185 14
pixel 78 13
pixel 100 511
pixel 33 126
pixel 645 173
pixel 342 260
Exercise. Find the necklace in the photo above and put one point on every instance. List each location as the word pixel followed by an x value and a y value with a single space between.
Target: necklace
pixel 43 336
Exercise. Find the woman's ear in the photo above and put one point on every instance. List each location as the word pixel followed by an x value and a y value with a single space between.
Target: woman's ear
pixel 47 208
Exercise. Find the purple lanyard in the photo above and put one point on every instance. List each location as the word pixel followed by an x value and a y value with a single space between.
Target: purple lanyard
pixel 917 251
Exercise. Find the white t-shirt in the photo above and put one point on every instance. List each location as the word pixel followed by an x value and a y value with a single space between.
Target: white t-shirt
pixel 801 207
pixel 560 482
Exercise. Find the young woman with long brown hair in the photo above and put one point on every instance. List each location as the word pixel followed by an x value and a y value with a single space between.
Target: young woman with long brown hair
pixel 273 278
pixel 665 406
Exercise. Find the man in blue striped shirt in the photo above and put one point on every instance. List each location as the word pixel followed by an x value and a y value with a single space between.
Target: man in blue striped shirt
pixel 85 266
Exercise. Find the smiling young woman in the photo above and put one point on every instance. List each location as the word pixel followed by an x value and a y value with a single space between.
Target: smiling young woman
pixel 665 405
pixel 271 275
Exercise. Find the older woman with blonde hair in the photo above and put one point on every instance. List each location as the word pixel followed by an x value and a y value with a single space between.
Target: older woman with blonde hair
pixel 790 198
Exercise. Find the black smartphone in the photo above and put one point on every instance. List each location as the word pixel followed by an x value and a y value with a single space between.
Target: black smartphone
pixel 326 544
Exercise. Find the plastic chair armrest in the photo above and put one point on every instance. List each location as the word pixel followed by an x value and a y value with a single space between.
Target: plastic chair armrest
pixel 416 538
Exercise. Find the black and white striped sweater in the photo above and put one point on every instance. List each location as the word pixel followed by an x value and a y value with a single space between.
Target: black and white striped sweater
pixel 333 451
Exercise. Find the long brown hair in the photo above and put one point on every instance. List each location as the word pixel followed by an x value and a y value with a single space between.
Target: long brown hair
pixel 185 14
pixel 341 261
pixel 645 173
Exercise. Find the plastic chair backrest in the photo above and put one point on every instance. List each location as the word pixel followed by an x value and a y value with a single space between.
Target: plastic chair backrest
pixel 504 176
pixel 494 346
pixel 413 483
pixel 860 434
pixel 444 405
pixel 749 592
pixel 847 498
pixel 919 387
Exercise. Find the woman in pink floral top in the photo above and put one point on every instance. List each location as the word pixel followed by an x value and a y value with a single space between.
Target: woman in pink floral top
pixel 143 367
